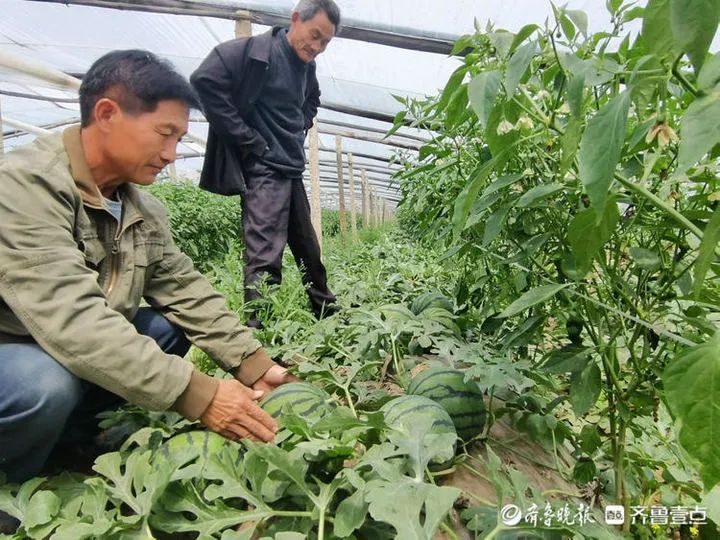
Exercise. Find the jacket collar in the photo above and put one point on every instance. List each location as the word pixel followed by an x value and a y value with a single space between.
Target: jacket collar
pixel 261 45
pixel 85 182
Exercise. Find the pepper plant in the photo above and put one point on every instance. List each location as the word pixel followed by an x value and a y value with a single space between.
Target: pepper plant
pixel 573 176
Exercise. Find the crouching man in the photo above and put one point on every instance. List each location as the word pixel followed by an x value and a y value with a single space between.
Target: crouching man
pixel 80 247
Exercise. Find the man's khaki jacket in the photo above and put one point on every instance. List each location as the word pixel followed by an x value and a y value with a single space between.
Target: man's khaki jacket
pixel 72 282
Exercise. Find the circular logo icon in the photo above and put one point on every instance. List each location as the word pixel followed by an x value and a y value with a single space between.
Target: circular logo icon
pixel 510 515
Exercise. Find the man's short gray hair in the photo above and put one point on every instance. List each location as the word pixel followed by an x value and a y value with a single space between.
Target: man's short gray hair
pixel 309 8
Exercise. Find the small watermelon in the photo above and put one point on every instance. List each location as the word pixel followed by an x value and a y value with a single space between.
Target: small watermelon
pixel 304 399
pixel 462 400
pixel 431 299
pixel 406 412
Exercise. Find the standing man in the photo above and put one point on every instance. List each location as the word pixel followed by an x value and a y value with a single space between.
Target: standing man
pixel 260 96
pixel 80 248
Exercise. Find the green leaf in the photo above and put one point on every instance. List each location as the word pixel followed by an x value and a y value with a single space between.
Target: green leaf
pixel 694 23
pixel 580 19
pixel 585 389
pixel 182 509
pixel 350 514
pixel 710 74
pixel 590 439
pixel 657 36
pixel 498 141
pixel 531 298
pixel 570 359
pixel 398 122
pixel 401 505
pixel 645 258
pixel 524 33
pixel 456 107
pixel 576 95
pixel 451 87
pixel 502 40
pixel 518 65
pixel 710 241
pixel 483 91
pixel 570 142
pixel 600 150
pixel 464 201
pixel 699 130
pixel 567 26
pixel 692 390
pixel 42 507
pixel 502 183
pixel 422 444
pixel 587 237
pixel 495 223
pixel 584 471
pixel 289 466
pixel 538 193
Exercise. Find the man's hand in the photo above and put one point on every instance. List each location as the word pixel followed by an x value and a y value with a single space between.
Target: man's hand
pixel 273 377
pixel 234 413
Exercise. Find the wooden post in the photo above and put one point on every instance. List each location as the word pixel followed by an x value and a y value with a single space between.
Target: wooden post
pixel 365 199
pixel 353 221
pixel 341 185
pixel 384 211
pixel 376 207
pixel 315 214
pixel 172 172
pixel 243 26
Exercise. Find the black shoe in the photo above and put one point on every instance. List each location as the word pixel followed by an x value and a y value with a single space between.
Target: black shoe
pixel 8 523
pixel 255 323
pixel 328 310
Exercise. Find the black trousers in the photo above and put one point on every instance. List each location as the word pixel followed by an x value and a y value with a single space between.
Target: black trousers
pixel 276 212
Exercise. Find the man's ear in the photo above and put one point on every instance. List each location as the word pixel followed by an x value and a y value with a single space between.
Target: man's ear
pixel 295 17
pixel 106 112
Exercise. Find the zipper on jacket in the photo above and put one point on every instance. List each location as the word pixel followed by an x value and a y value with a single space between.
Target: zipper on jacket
pixel 115 253
pixel 114 261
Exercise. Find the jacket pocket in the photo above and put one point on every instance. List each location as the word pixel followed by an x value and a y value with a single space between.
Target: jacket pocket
pixel 93 251
pixel 149 252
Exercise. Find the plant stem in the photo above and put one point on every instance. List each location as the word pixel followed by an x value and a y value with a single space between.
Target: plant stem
pixel 350 401
pixel 681 78
pixel 659 203
pixel 449 531
pixel 321 526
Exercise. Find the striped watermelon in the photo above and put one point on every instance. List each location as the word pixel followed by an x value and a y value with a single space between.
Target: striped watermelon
pixel 431 300
pixel 406 412
pixel 462 400
pixel 301 398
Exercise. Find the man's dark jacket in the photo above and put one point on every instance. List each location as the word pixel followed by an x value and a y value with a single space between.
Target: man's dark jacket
pixel 229 82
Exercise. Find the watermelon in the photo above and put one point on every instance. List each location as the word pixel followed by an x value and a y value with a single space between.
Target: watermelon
pixel 462 400
pixel 301 398
pixel 406 412
pixel 431 299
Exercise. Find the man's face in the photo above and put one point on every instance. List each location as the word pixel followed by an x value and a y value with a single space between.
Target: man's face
pixel 139 146
pixel 310 38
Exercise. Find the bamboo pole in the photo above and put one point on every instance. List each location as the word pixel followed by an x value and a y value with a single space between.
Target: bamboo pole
pixel 353 220
pixel 315 214
pixel 38 70
pixel 341 185
pixel 28 128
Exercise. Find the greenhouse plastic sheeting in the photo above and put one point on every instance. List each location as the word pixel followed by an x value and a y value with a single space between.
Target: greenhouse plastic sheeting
pixel 352 73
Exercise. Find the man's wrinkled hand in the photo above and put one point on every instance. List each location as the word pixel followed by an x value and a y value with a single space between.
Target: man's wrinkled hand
pixel 235 414
pixel 273 377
